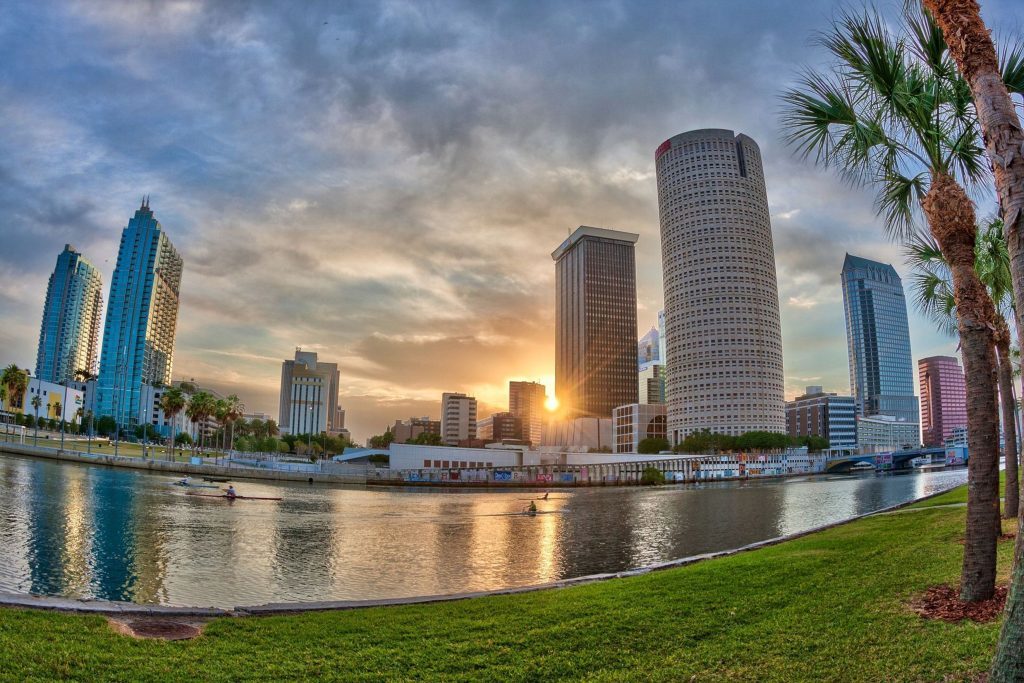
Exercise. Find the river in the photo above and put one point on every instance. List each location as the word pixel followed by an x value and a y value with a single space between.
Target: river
pixel 117 534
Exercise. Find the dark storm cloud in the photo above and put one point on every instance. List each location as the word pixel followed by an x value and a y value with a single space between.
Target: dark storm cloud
pixel 384 181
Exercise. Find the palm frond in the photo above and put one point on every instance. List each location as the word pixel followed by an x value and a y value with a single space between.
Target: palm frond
pixel 899 200
pixel 1012 69
pixel 927 41
pixel 931 283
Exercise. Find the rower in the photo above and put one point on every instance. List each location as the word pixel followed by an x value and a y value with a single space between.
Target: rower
pixel 230 494
pixel 184 481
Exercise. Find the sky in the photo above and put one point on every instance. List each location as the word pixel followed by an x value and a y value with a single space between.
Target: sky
pixel 384 182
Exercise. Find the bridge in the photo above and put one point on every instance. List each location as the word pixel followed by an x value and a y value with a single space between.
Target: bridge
pixel 896 460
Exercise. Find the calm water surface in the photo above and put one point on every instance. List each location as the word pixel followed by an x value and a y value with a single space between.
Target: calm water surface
pixel 88 531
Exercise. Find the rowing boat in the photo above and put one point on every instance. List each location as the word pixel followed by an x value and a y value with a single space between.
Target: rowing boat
pixel 193 486
pixel 224 495
pixel 222 480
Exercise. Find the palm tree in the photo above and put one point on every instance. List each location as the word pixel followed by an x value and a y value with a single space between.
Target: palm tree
pixel 991 85
pixel 894 113
pixel 272 428
pixel 975 54
pixel 933 293
pixel 172 402
pixel 220 414
pixel 992 260
pixel 235 409
pixel 36 403
pixel 16 381
pixel 201 406
pixel 86 376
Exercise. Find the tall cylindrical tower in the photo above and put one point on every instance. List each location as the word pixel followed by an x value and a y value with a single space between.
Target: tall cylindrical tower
pixel 723 336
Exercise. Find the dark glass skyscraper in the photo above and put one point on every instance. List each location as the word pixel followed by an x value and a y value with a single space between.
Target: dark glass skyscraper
pixel 70 333
pixel 595 322
pixel 878 338
pixel 142 314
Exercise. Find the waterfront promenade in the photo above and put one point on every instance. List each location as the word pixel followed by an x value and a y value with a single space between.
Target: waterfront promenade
pixel 835 605
pixel 564 469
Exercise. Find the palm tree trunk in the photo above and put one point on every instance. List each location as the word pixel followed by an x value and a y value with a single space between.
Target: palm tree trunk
pixel 972 48
pixel 951 218
pixel 1011 496
pixel 974 52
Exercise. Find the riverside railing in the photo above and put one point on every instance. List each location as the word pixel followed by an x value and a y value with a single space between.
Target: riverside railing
pixel 695 468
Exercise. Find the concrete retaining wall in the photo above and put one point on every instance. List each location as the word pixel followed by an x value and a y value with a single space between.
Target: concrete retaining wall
pixel 164 466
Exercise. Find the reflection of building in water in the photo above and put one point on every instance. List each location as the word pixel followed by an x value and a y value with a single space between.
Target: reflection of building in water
pixel 113 496
pixel 150 539
pixel 303 544
pixel 77 526
pixel 45 532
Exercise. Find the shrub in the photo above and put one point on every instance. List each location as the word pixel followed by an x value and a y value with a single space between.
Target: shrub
pixel 652 445
pixel 652 476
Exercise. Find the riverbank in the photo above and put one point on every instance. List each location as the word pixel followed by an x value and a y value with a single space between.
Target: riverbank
pixel 177 467
pixel 828 606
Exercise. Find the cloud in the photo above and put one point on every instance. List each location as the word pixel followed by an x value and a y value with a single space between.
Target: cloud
pixel 385 181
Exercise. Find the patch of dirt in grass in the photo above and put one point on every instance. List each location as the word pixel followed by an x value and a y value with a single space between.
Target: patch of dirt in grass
pixel 943 602
pixel 1002 538
pixel 157 628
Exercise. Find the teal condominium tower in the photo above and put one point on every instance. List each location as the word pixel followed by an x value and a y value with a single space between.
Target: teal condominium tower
pixel 878 337
pixel 70 332
pixel 142 313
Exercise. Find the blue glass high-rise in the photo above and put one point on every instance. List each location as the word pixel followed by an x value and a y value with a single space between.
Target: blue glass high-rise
pixel 70 332
pixel 142 314
pixel 878 338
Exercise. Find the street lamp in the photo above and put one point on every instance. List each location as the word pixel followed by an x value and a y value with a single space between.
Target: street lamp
pixel 63 411
pixel 145 427
pixel 37 401
pixel 309 425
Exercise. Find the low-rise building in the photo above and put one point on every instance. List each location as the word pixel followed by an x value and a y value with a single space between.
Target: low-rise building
pixel 636 422
pixel 827 415
pixel 500 427
pixel 880 433
pixel 57 401
pixel 404 431
pixel 410 457
pixel 152 409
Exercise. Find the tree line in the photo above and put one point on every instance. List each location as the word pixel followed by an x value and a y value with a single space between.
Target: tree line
pixel 708 442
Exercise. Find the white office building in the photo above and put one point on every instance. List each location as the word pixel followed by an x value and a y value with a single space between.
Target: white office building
pixel 309 396
pixel 881 433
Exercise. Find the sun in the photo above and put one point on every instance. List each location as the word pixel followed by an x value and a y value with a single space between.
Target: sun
pixel 551 403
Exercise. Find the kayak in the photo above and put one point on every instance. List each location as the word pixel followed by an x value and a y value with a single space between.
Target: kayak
pixel 193 486
pixel 224 495
pixel 222 480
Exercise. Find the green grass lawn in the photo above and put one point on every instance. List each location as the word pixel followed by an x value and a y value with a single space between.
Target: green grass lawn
pixel 126 449
pixel 827 607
